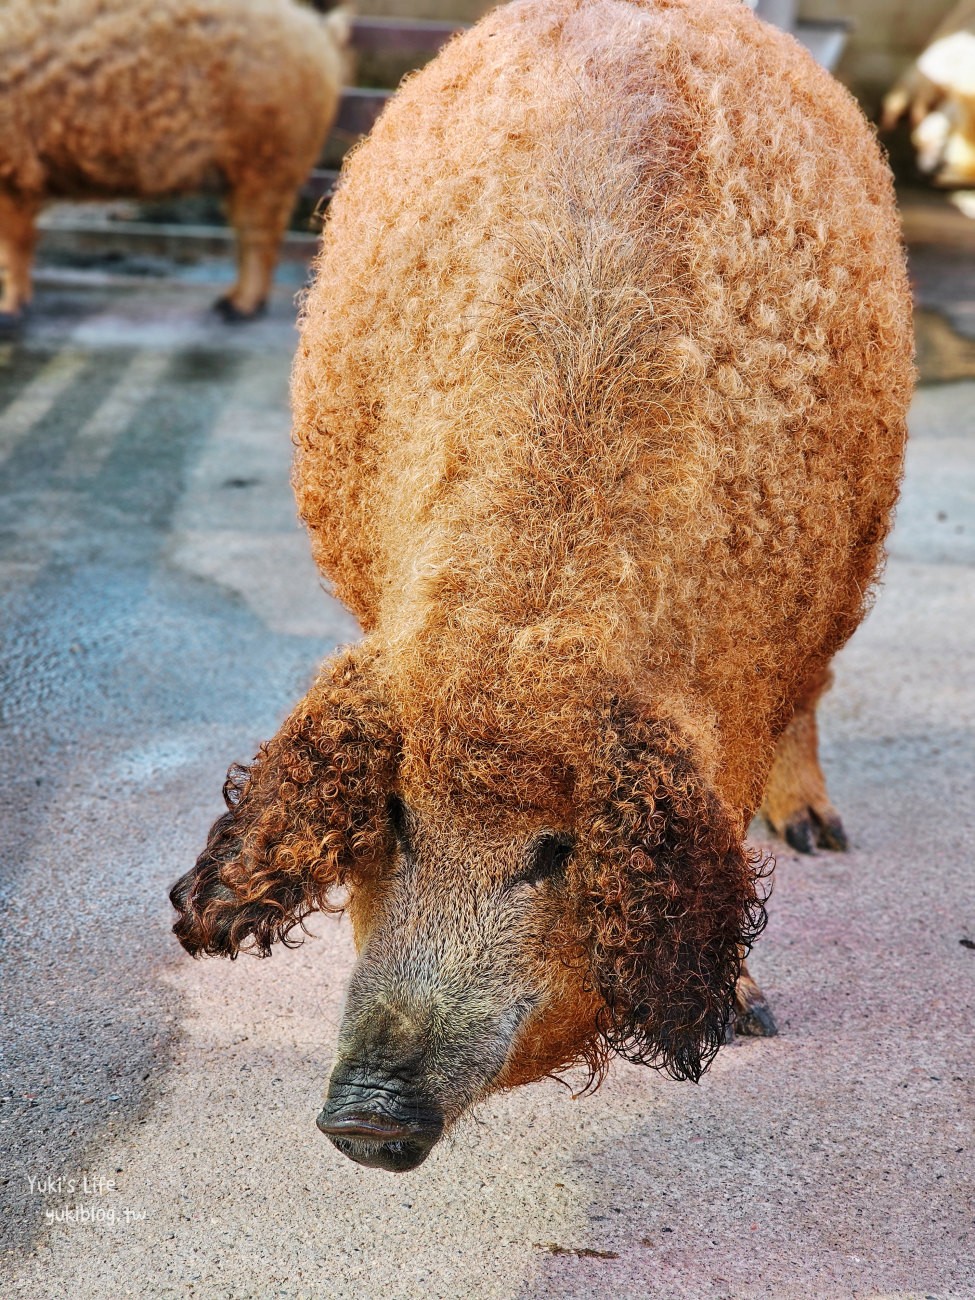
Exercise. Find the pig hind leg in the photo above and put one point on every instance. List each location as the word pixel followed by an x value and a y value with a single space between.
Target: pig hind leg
pixel 18 235
pixel 796 804
pixel 259 215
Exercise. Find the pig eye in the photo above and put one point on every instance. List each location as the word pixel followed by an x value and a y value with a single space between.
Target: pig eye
pixel 398 818
pixel 546 859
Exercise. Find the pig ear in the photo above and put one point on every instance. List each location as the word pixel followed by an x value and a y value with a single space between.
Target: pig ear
pixel 671 900
pixel 307 813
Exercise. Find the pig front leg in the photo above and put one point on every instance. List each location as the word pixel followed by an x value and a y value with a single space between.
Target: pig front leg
pixel 796 805
pixel 752 1014
pixel 18 235
pixel 259 218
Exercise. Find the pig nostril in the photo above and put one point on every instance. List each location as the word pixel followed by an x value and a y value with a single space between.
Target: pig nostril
pixel 380 1118
pixel 374 1128
pixel 379 1141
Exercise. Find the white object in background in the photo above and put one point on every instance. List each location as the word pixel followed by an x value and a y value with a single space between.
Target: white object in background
pixel 951 62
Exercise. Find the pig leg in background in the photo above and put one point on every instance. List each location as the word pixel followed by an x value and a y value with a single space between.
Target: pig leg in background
pixel 914 92
pixel 18 235
pixel 956 160
pixel 796 804
pixel 259 217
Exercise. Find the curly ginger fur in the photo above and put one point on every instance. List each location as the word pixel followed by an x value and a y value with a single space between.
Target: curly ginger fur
pixel 627 401
pixel 667 902
pixel 309 810
pixel 599 412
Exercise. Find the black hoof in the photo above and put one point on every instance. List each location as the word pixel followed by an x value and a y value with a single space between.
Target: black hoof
pixel 831 834
pixel 799 833
pixel 232 315
pixel 756 1022
pixel 11 321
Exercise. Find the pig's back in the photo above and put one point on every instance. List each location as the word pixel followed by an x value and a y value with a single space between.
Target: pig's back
pixel 610 334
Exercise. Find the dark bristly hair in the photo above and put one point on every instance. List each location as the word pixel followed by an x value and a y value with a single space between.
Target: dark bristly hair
pixel 669 898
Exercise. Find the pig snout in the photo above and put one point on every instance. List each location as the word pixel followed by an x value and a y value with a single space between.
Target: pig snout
pixel 380 1118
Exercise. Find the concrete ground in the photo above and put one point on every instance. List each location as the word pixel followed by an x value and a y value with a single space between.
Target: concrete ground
pixel 160 614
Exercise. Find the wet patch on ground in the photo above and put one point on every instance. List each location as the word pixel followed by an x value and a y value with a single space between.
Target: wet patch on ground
pixel 119 696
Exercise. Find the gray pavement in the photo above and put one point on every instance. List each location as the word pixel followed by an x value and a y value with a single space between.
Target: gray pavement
pixel 160 613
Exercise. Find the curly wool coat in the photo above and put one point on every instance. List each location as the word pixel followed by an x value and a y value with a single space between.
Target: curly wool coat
pixel 602 383
pixel 599 410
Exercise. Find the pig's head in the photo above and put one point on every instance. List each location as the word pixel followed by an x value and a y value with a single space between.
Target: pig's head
pixel 498 940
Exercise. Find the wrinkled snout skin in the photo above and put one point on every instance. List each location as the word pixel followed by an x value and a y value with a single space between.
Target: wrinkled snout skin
pixel 452 997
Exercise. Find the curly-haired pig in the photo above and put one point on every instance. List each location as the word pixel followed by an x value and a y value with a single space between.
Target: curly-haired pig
pixel 145 98
pixel 599 408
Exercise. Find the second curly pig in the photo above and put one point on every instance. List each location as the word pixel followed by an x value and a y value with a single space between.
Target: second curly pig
pixel 144 98
pixel 600 407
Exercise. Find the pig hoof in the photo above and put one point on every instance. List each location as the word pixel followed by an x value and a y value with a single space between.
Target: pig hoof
pixel 756 1021
pixel 831 834
pixel 799 833
pixel 751 1016
pixel 229 312
pixel 11 321
pixel 807 829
